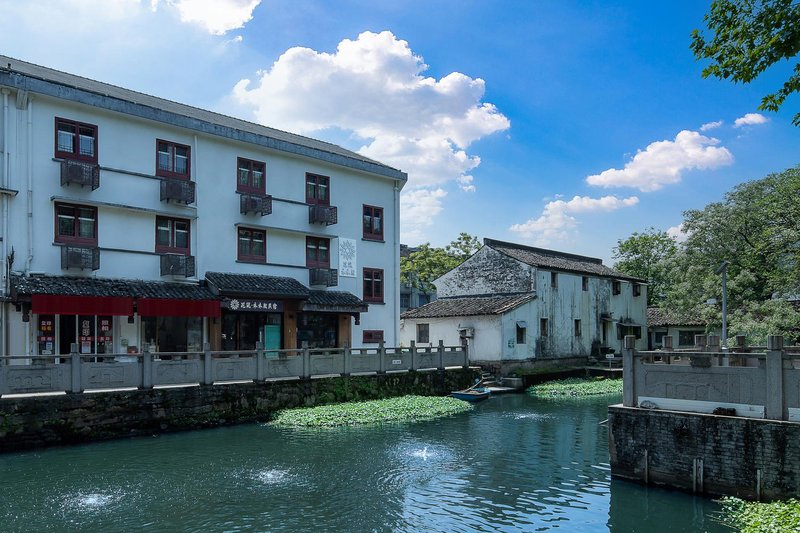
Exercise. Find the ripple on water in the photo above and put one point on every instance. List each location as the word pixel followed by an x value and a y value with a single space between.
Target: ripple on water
pixel 272 476
pixel 528 416
pixel 89 502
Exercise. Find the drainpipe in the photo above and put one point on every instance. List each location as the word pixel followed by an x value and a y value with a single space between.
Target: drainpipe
pixel 29 171
pixel 396 263
pixel 4 230
pixel 196 233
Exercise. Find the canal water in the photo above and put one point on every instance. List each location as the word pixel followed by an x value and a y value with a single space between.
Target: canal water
pixel 513 464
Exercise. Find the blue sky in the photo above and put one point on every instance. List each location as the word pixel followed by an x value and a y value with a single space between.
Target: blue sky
pixel 566 125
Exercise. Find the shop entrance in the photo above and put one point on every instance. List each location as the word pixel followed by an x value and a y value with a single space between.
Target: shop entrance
pixel 242 330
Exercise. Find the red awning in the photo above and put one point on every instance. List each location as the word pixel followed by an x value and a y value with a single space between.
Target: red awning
pixel 171 307
pixel 55 304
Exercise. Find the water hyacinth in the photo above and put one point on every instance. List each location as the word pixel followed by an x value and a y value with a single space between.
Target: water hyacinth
pixel 754 517
pixel 400 409
pixel 576 387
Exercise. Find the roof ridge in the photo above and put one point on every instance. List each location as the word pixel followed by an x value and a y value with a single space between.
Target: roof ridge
pixel 494 243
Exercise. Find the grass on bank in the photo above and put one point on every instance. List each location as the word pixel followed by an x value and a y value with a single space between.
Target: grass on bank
pixel 400 409
pixel 754 517
pixel 576 388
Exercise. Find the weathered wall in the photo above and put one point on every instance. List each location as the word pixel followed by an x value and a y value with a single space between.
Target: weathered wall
pixel 486 272
pixel 735 452
pixel 35 422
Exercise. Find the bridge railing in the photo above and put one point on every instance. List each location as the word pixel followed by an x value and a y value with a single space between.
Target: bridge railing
pixel 75 372
pixel 747 383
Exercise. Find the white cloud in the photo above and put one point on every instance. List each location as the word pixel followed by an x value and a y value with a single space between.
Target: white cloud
pixel 750 119
pixel 663 162
pixel 216 16
pixel 556 221
pixel 678 233
pixel 374 87
pixel 418 208
pixel 711 125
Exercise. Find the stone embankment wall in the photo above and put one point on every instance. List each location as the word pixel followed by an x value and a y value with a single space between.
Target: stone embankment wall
pixel 34 422
pixel 750 458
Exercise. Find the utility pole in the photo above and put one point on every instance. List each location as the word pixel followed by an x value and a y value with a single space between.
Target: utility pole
pixel 723 269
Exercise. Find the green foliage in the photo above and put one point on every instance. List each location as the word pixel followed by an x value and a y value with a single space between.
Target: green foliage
pixel 749 36
pixel 574 387
pixel 754 517
pixel 647 255
pixel 758 319
pixel 427 263
pixel 405 408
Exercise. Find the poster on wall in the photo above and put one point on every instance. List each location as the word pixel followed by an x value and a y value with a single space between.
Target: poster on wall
pixel 347 258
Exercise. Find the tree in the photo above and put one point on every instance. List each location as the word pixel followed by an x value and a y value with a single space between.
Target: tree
pixel 749 36
pixel 427 263
pixel 647 255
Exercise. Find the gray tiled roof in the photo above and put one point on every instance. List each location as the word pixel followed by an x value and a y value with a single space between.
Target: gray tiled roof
pixel 334 300
pixel 74 286
pixel 29 76
pixel 662 317
pixel 228 284
pixel 470 306
pixel 551 259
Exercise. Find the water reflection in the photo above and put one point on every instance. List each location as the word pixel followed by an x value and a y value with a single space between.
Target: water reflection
pixel 514 464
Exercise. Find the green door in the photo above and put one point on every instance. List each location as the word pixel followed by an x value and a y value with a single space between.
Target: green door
pixel 272 339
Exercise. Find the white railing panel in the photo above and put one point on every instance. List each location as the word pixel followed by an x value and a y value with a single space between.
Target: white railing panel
pixel 322 364
pixel 233 369
pixel 111 375
pixel 39 377
pixel 284 367
pixel 185 371
pixel 363 362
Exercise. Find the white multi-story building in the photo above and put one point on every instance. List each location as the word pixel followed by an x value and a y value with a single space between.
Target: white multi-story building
pixel 130 220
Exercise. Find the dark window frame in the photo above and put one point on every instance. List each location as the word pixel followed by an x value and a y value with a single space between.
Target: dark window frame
pixel 250 165
pixel 585 283
pixel 368 222
pixel 75 238
pixel 250 257
pixel 316 262
pixel 636 289
pixel 543 329
pixel 426 329
pixel 369 295
pixel 172 248
pixel 577 327
pixel 317 180
pixel 521 334
pixel 372 336
pixel 554 280
pixel 616 287
pixel 75 153
pixel 171 172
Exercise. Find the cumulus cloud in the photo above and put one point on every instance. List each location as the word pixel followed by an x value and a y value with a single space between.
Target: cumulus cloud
pixel 750 119
pixel 216 16
pixel 557 221
pixel 663 162
pixel 711 125
pixel 374 86
pixel 678 233
pixel 418 208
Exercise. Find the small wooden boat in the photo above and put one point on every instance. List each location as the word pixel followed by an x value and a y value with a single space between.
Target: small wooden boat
pixel 471 394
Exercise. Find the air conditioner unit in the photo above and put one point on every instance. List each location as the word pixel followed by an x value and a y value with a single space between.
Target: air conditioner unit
pixel 178 191
pixel 80 257
pixel 325 277
pixel 467 333
pixel 322 214
pixel 177 265
pixel 259 205
pixel 79 173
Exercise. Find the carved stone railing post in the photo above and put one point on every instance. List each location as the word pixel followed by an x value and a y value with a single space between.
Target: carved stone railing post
pixel 440 349
pixel 261 363
pixel 147 367
pixel 700 343
pixel 667 345
pixel 348 361
pixel 714 347
pixel 700 361
pixel 306 363
pixel 629 372
pixel 208 379
pixel 381 358
pixel 774 407
pixel 413 356
pixel 466 355
pixel 75 364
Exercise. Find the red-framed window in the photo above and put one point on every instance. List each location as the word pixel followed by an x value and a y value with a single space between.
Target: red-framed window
pixel 252 246
pixel 172 160
pixel 373 223
pixel 318 252
pixel 251 176
pixel 76 140
pixel 318 189
pixel 372 336
pixel 76 224
pixel 173 235
pixel 373 285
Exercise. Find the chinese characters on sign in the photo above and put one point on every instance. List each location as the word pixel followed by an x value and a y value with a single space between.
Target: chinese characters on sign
pixel 253 305
pixel 347 258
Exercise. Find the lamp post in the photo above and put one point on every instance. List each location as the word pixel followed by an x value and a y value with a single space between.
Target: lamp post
pixel 723 269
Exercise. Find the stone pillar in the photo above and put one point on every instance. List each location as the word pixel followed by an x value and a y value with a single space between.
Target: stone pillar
pixel 440 349
pixel 466 354
pixel 667 340
pixel 348 361
pixel 381 358
pixel 413 355
pixel 774 407
pixel 714 347
pixel 261 372
pixel 629 372
pixel 306 363
pixel 207 377
pixel 75 367
pixel 147 367
pixel 700 361
pixel 700 343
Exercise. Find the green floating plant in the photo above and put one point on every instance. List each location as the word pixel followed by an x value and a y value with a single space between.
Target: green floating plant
pixel 576 387
pixel 754 517
pixel 400 409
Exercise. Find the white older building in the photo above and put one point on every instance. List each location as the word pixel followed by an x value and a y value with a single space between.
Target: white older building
pixel 513 303
pixel 129 220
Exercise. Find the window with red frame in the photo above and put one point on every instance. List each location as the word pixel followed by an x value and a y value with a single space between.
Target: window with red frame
pixel 76 140
pixel 172 160
pixel 318 252
pixel 251 176
pixel 172 235
pixel 318 189
pixel 372 336
pixel 373 285
pixel 373 223
pixel 76 224
pixel 252 245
